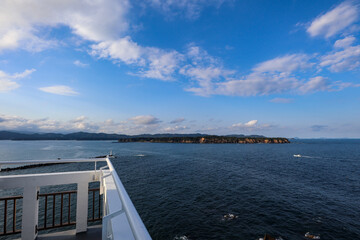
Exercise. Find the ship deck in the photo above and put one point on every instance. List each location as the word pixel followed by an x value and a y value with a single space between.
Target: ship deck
pixel 92 233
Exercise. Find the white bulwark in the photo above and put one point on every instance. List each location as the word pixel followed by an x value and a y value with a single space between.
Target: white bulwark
pixel 120 220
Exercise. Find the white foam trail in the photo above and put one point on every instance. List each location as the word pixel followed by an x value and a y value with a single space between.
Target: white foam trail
pixel 304 156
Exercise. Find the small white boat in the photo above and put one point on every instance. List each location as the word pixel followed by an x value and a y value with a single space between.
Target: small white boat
pixel 229 216
pixel 297 155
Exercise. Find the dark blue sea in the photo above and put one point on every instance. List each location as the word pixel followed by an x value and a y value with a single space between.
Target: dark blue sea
pixel 186 189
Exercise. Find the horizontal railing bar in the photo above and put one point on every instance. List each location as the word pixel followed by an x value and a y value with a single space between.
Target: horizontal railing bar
pixel 56 193
pixel 10 198
pixel 47 194
pixel 94 189
pixel 75 160
pixel 94 220
pixel 57 226
pixel 66 192
pixel 9 233
pixel 44 228
pixel 47 179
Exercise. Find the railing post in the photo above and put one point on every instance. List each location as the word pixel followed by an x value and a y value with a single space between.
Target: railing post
pixel 82 207
pixel 30 213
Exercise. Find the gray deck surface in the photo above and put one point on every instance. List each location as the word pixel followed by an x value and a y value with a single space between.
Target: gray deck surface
pixel 93 232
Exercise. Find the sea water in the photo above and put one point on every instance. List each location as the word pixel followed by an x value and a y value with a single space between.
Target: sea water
pixel 183 191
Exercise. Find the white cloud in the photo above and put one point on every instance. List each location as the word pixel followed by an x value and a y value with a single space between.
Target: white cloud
pixel 345 59
pixel 103 23
pixel 123 49
pixel 104 26
pixel 318 128
pixel 154 62
pixel 345 42
pixel 334 21
pixel 80 64
pixel 9 39
pixel 251 123
pixel 79 119
pixel 257 84
pixel 203 74
pixel 22 22
pixel 14 38
pixel 281 100
pixel 205 70
pixel 318 83
pixel 46 125
pixel 275 76
pixel 338 85
pixel 189 8
pixel 161 64
pixel 252 126
pixel 26 73
pixel 22 25
pixel 177 120
pixel 284 64
pixel 8 81
pixel 175 129
pixel 199 56
pixel 7 85
pixel 248 124
pixel 83 123
pixel 205 77
pixel 60 90
pixel 145 120
pixel 269 77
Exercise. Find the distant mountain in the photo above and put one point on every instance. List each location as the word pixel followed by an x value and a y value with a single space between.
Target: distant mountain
pixel 11 135
pixel 93 136
pixel 7 135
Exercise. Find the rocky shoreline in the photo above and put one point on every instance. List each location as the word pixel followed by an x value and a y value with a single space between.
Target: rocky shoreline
pixel 207 139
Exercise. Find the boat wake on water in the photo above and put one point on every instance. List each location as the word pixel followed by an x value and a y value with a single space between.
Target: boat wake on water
pixel 268 237
pixel 181 238
pixel 140 155
pixel 324 158
pixel 303 156
pixel 308 235
pixel 311 236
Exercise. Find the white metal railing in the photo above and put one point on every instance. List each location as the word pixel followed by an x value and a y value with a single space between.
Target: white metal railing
pixel 120 220
pixel 138 228
pixel 51 161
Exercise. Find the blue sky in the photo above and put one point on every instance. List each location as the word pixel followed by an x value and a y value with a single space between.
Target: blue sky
pixel 277 68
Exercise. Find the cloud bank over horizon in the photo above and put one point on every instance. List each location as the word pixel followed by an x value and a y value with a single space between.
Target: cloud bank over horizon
pixel 134 125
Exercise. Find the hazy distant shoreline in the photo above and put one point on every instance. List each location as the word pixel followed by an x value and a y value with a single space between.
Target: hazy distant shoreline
pixel 166 137
pixel 208 140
